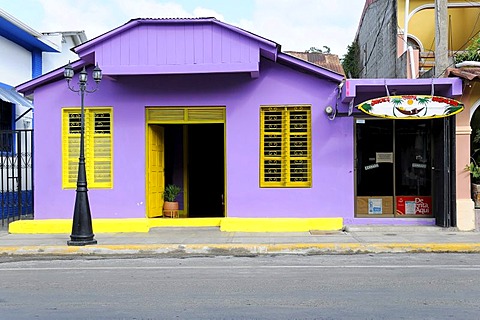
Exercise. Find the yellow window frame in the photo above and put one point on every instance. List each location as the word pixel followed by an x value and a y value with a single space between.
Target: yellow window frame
pixel 98 146
pixel 285 147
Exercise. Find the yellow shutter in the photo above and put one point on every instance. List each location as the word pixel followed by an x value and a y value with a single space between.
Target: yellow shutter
pixel 299 149
pixel 101 146
pixel 98 147
pixel 71 147
pixel 272 145
pixel 186 115
pixel 285 147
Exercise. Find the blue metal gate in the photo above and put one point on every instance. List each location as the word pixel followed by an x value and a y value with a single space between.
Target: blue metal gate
pixel 16 178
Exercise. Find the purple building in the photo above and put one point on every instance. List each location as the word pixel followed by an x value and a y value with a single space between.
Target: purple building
pixel 240 126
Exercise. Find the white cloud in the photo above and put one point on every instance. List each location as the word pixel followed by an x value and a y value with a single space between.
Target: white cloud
pixel 298 25
pixel 200 12
pixel 151 9
pixel 70 15
pixel 98 17
pixel 295 24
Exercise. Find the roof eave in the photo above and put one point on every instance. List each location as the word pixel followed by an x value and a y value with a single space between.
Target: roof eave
pixel 18 32
pixel 28 87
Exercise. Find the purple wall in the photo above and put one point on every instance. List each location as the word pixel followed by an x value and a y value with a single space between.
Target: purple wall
pixel 177 48
pixel 332 142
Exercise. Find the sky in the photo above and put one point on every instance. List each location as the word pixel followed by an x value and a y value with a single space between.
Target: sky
pixel 296 25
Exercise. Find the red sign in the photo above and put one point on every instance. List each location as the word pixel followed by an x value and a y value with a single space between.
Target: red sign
pixel 414 205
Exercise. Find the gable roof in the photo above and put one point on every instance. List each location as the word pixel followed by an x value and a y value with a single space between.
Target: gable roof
pixel 83 48
pixel 178 46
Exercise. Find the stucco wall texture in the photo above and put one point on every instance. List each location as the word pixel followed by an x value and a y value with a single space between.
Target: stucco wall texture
pixel 331 194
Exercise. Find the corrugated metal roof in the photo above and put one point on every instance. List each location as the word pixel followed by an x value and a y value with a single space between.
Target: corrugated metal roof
pixel 12 96
pixel 469 73
pixel 327 60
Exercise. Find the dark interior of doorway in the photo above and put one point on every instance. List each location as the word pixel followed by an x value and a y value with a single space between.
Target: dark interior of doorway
pixel 206 172
pixel 202 155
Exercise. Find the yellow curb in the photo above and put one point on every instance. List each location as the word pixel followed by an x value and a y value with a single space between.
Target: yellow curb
pixel 232 249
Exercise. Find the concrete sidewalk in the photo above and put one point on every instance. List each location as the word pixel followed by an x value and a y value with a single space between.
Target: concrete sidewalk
pixel 211 241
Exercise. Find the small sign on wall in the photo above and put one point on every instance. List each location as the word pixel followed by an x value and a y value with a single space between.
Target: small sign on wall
pixel 414 205
pixel 375 206
pixel 384 157
pixel 365 203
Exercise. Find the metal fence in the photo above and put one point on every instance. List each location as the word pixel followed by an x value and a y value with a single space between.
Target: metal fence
pixel 16 178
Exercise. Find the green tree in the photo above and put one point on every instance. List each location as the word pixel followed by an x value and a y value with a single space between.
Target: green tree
pixel 351 61
pixel 318 50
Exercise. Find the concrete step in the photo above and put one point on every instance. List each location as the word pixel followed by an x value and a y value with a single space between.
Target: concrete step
pixel 397 229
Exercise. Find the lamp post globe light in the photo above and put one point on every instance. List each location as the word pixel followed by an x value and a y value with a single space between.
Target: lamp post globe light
pixel 82 231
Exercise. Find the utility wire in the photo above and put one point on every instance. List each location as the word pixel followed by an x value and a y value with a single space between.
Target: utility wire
pixel 453 63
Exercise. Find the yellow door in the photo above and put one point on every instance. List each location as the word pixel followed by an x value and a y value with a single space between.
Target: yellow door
pixel 155 170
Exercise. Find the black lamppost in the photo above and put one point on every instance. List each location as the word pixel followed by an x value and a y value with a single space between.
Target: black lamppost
pixel 82 231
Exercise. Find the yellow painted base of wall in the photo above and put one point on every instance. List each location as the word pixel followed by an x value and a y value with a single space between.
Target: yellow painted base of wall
pixel 280 224
pixel 143 225
pixel 65 226
pixel 185 222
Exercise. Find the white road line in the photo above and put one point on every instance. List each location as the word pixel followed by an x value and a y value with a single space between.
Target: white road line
pixel 176 267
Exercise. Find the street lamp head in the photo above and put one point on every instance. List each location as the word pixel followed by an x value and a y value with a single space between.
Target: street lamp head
pixel 97 74
pixel 82 76
pixel 68 72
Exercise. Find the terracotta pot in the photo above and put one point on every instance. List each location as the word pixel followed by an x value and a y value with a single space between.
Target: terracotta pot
pixel 170 209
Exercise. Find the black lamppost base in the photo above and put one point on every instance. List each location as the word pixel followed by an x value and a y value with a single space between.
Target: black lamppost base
pixel 79 243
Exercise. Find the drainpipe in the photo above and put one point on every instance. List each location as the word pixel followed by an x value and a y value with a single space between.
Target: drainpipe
pixel 468 64
pixel 413 73
pixel 405 25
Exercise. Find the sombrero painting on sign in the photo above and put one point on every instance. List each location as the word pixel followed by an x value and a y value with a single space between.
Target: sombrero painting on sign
pixel 411 107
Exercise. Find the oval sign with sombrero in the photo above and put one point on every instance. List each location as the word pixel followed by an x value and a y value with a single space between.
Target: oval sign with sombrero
pixel 411 107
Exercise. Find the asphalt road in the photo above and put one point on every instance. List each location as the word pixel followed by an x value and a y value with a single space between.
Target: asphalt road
pixel 399 286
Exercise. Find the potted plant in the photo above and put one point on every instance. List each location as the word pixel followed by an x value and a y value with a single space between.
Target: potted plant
pixel 170 204
pixel 474 168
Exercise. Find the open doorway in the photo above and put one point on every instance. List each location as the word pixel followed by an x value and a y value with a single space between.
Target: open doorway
pixel 191 156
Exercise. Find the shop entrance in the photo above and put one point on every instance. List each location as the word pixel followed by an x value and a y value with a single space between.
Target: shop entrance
pixel 186 147
pixel 403 169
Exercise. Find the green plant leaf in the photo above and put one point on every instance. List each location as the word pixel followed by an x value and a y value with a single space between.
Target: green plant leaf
pixel 367 107
pixel 171 192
